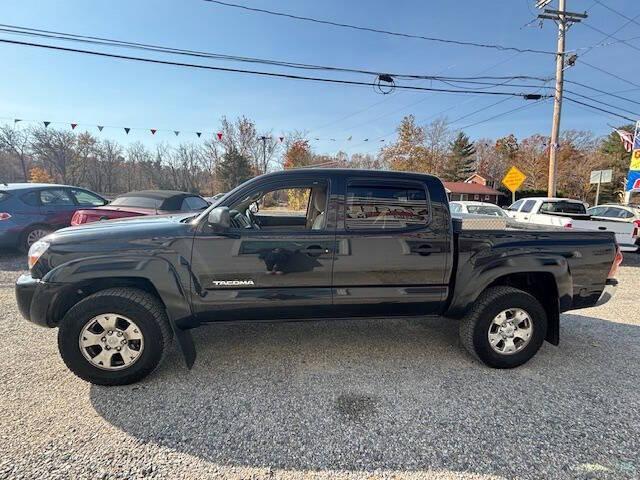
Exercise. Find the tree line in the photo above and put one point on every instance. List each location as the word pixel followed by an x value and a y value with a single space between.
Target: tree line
pixel 80 158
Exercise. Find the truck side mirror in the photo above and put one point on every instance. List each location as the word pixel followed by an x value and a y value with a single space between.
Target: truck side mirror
pixel 219 219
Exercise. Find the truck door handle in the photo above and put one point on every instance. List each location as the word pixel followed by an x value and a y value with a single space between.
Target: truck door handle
pixel 425 250
pixel 525 218
pixel 602 228
pixel 316 250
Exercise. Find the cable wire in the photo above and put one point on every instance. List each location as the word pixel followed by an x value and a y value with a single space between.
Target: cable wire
pixel 376 30
pixel 253 72
pixel 598 108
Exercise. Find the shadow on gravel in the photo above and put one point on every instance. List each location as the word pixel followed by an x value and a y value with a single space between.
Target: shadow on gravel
pixel 12 261
pixel 392 395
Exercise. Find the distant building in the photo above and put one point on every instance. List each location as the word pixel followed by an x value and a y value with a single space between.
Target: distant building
pixel 474 188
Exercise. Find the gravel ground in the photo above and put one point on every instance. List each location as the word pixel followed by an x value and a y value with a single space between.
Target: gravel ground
pixel 361 399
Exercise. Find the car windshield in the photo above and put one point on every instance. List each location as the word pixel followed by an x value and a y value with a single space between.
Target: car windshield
pixel 137 202
pixel 486 210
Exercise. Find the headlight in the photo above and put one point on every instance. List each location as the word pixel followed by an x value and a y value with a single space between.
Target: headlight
pixel 36 251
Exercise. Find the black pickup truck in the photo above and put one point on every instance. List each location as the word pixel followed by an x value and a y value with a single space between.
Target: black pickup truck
pixel 307 244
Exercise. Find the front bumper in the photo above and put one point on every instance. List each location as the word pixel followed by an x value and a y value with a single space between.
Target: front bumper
pixel 609 291
pixel 36 299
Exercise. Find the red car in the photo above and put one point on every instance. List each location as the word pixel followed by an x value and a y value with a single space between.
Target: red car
pixel 148 202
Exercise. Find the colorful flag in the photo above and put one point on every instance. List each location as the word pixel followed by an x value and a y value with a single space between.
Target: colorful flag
pixel 100 127
pixel 199 134
pixel 153 131
pixel 46 124
pixel 126 130
pixel 219 134
pixel 177 132
pixel 626 138
pixel 73 126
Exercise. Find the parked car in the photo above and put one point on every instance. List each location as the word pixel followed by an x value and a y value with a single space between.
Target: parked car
pixel 616 213
pixel 568 213
pixel 356 244
pixel 148 202
pixel 477 208
pixel 29 211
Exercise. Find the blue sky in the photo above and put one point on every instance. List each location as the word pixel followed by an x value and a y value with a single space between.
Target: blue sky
pixel 66 87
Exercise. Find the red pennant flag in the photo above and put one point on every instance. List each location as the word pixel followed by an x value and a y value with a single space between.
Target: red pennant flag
pixel 199 134
pixel 219 134
pixel 153 131
pixel 73 126
pixel 46 124
pixel 176 132
pixel 281 139
pixel 126 130
pixel 100 127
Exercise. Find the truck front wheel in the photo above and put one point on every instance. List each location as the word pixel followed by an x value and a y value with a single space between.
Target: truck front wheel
pixel 115 336
pixel 504 328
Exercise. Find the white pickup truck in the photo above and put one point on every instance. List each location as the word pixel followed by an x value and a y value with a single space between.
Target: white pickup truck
pixel 568 213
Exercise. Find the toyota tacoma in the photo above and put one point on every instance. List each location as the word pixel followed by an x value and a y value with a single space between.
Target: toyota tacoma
pixel 308 244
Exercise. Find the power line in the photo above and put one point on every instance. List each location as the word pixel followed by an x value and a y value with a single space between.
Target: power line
pixel 255 72
pixel 611 35
pixel 582 62
pixel 611 94
pixel 376 30
pixel 479 110
pixel 521 107
pixel 601 102
pixel 102 41
pixel 617 12
pixel 599 109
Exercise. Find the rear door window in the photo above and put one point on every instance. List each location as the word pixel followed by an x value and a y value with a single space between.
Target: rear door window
pixel 369 207
pixel 528 206
pixel 87 198
pixel 3 196
pixel 614 212
pixel 55 197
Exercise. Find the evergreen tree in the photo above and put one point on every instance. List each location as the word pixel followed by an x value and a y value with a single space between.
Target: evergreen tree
pixel 461 162
pixel 233 170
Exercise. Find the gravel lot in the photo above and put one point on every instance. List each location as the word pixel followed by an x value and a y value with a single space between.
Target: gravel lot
pixel 362 399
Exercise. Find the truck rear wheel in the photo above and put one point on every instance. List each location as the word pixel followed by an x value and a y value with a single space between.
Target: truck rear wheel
pixel 505 327
pixel 114 337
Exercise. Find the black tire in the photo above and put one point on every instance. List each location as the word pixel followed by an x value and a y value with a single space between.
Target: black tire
pixel 474 328
pixel 147 312
pixel 23 244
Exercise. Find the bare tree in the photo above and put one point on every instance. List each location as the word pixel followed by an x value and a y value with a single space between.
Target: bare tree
pixel 15 143
pixel 55 149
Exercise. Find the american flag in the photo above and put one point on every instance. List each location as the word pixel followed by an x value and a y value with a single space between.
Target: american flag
pixel 626 138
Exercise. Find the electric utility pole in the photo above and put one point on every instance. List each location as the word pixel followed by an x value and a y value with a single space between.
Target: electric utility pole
pixel 264 151
pixel 564 20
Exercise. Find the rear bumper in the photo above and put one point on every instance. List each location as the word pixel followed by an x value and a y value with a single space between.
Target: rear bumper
pixel 608 292
pixel 36 299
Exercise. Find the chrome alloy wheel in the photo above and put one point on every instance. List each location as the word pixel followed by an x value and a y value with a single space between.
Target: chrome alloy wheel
pixel 510 331
pixel 35 235
pixel 111 341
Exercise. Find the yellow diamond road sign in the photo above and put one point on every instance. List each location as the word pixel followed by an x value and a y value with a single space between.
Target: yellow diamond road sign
pixel 513 179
